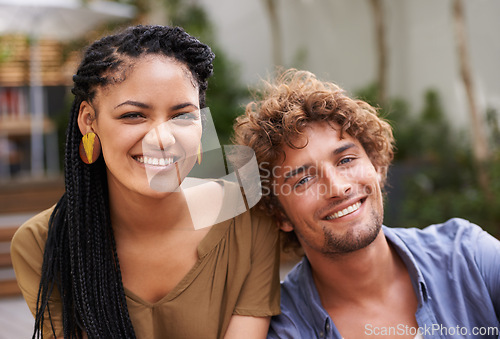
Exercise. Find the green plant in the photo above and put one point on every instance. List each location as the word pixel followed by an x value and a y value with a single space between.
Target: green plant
pixel 439 180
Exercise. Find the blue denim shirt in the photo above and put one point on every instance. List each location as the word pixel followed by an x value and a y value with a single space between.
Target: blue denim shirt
pixel 454 268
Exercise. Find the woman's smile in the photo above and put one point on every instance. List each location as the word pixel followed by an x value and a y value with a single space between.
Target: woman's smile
pixel 154 161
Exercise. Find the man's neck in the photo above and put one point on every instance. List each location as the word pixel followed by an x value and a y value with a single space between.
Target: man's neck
pixel 361 276
pixel 368 286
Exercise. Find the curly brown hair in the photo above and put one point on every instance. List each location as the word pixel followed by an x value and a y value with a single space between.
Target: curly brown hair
pixel 282 110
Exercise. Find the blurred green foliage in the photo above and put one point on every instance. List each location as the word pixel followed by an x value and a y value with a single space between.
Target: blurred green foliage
pixel 434 176
pixel 5 50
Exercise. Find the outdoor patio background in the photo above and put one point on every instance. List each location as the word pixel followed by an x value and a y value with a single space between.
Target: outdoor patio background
pixel 334 39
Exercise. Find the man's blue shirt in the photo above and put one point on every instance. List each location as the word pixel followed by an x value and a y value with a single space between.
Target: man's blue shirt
pixel 454 268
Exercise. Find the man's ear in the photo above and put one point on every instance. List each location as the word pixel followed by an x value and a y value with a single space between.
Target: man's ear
pixel 282 220
pixel 285 225
pixel 380 174
pixel 86 116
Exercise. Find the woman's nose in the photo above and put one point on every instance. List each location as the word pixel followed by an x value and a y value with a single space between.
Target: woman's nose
pixel 160 137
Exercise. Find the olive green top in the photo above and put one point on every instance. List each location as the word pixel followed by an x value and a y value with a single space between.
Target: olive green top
pixel 237 273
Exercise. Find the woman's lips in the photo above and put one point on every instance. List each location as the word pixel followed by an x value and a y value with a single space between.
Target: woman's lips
pixel 155 161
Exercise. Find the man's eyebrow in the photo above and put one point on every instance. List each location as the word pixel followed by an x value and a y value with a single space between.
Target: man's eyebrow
pixel 343 148
pixel 133 103
pixel 296 171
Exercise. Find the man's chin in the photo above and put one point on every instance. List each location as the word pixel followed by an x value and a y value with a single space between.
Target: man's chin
pixel 351 241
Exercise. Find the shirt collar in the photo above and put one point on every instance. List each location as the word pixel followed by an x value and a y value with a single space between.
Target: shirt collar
pixel 416 276
pixel 318 315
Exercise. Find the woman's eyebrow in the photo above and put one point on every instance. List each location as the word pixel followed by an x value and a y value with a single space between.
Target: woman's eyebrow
pixel 143 105
pixel 183 105
pixel 133 103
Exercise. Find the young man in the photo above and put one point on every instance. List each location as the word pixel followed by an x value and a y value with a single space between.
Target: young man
pixel 323 159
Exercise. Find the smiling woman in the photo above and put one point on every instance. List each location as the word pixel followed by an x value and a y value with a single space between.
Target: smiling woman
pixel 130 250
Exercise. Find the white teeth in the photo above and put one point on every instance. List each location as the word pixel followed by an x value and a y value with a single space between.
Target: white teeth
pixel 345 211
pixel 154 161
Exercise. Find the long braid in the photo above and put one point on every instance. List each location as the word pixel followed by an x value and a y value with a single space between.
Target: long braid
pixel 80 256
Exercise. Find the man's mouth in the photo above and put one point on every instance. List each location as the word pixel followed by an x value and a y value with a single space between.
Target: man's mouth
pixel 153 161
pixel 348 210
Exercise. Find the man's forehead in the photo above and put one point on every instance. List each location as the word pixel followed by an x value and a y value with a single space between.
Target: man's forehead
pixel 314 137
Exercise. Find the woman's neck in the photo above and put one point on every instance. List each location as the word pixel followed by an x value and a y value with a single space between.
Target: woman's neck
pixel 138 215
pixel 192 208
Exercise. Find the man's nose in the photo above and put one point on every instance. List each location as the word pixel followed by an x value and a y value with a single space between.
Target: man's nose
pixel 338 182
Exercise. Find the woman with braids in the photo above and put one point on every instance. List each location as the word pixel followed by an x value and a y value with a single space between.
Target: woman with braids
pixel 119 257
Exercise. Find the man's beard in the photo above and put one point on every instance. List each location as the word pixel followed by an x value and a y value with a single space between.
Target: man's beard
pixel 335 245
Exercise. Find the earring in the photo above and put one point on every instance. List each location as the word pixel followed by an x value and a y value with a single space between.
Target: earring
pixel 198 155
pixel 90 148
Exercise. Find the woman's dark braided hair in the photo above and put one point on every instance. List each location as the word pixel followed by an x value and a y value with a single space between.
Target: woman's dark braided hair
pixel 80 257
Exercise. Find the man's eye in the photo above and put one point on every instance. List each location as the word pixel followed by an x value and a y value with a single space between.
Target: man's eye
pixel 302 181
pixel 346 160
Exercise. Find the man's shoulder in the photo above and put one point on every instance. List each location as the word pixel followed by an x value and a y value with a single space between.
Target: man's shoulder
pixel 439 243
pixel 451 231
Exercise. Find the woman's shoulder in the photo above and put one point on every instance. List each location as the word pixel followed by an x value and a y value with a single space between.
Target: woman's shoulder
pixel 33 233
pixel 26 250
pixel 256 227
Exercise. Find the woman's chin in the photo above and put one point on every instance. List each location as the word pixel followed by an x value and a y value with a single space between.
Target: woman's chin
pixel 164 182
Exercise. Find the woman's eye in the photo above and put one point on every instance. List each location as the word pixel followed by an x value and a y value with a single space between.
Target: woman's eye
pixel 131 115
pixel 186 116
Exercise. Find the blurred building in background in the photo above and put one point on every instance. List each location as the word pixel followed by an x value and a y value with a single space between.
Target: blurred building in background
pixel 15 121
pixel 336 39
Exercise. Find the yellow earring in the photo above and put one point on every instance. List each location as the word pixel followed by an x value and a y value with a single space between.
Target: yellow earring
pixel 198 155
pixel 90 148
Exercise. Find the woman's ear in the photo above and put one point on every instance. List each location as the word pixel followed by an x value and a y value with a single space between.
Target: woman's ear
pixel 86 116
